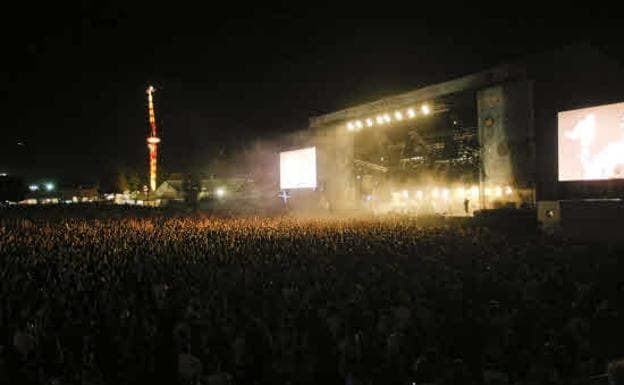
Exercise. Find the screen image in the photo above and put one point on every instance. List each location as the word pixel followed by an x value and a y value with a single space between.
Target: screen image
pixel 298 168
pixel 591 143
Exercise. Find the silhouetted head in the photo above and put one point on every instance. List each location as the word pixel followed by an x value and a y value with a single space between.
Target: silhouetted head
pixel 615 370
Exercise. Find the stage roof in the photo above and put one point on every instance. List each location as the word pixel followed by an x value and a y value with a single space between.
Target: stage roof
pixel 428 93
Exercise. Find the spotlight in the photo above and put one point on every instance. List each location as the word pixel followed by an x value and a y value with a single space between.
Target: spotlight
pixel 411 113
pixel 358 124
pixel 220 192
pixel 33 187
pixel 350 126
pixel 369 122
pixel 398 115
pixel 387 118
pixel 425 109
pixel 380 119
pixel 498 191
pixel 405 194
pixel 508 190
pixel 49 186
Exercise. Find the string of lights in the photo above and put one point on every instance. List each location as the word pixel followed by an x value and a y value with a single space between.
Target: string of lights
pixel 387 118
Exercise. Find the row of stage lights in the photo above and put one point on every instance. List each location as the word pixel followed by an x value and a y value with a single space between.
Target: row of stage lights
pixel 460 192
pixel 386 118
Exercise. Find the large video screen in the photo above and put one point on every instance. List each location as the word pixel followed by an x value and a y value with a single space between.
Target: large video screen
pixel 591 143
pixel 298 169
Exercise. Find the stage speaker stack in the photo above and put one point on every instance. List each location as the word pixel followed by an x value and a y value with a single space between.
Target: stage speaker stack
pixel 506 138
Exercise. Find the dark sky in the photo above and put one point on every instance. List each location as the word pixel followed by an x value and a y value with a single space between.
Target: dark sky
pixel 74 75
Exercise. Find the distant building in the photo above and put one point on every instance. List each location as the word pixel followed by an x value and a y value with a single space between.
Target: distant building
pixel 210 188
pixel 170 190
pixel 79 194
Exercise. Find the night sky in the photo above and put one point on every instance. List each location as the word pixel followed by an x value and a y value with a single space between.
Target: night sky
pixel 74 75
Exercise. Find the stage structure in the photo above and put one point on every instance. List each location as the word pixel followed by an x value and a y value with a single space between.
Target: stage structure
pixel 152 141
pixel 546 133
pixel 449 148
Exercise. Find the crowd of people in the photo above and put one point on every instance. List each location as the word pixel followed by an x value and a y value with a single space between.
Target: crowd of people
pixel 128 298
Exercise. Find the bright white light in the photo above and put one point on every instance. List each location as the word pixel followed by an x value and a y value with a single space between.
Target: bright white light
pixel 398 115
pixel 425 109
pixel 435 193
pixel 411 113
pixel 49 186
pixel 405 194
pixel 380 119
pixel 220 192
pixel 350 126
pixel 474 191
pixel 387 118
pixel 460 192
pixel 498 191
pixel 298 169
pixel 508 190
pixel 445 193
pixel 33 187
pixel 358 124
pixel 419 194
pixel 3 174
pixel 369 122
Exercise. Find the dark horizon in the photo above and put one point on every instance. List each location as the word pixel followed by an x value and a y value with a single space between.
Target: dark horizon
pixel 75 85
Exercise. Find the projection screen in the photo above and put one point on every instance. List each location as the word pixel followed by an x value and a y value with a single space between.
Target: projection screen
pixel 591 143
pixel 298 169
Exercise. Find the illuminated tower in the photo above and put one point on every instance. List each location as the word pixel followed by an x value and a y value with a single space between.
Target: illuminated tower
pixel 152 140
